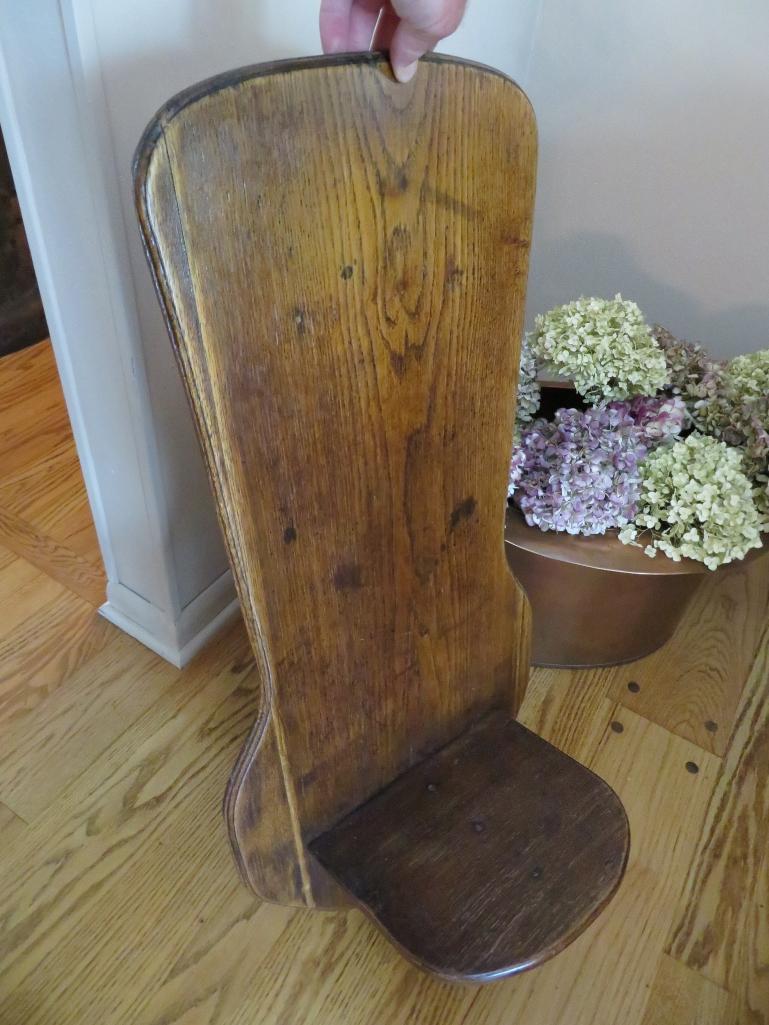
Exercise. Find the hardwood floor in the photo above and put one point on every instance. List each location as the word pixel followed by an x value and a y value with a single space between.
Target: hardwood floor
pixel 119 902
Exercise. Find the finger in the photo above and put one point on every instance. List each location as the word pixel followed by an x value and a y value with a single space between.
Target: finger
pixel 407 46
pixel 423 24
pixel 364 16
pixel 335 25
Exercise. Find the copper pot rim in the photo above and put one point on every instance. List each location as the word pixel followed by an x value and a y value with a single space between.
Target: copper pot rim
pixel 605 551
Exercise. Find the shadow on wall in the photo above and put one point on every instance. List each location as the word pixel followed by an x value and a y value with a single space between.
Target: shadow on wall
pixel 594 263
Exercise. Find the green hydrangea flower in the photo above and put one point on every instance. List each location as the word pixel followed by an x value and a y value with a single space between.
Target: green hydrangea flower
pixel 747 376
pixel 528 387
pixel 738 413
pixel 696 503
pixel 604 346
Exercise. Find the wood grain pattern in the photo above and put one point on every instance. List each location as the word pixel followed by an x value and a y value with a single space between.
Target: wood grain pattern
pixel 44 512
pixel 11 826
pixel 48 589
pixel 343 264
pixel 49 495
pixel 126 912
pixel 56 560
pixel 722 928
pixel 547 842
pixel 59 634
pixel 680 996
pixel 117 824
pixel 111 685
pixel 693 685
pixel 604 976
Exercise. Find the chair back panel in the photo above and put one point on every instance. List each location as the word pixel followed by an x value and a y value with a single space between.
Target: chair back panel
pixel 342 260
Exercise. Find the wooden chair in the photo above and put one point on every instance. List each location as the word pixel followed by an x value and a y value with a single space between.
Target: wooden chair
pixel 342 261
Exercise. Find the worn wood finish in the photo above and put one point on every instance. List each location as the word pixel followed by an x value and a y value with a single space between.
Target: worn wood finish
pixel 343 261
pixel 487 858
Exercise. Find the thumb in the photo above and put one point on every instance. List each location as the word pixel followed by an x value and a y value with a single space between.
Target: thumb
pixel 422 25
pixel 407 46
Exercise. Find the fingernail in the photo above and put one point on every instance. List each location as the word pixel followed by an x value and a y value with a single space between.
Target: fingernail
pixel 406 73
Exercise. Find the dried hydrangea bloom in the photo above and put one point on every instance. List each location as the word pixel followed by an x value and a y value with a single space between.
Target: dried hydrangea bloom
pixel 657 417
pixel 747 376
pixel 761 501
pixel 604 346
pixel 694 374
pixel 696 502
pixel 528 386
pixel 738 414
pixel 581 473
pixel 754 430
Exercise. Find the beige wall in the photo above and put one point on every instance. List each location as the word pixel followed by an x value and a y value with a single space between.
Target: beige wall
pixel 654 161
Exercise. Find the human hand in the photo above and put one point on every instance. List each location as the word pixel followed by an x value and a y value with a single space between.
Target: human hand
pixel 408 28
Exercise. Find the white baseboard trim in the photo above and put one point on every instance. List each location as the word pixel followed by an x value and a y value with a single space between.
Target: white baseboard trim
pixel 215 626
pixel 177 641
pixel 116 616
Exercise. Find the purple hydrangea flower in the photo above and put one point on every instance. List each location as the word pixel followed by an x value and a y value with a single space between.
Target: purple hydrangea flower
pixel 657 417
pixel 581 473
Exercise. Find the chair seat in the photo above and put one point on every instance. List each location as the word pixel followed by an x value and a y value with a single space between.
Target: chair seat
pixel 488 857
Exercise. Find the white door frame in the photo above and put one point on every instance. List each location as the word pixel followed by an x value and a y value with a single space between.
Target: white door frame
pixel 53 116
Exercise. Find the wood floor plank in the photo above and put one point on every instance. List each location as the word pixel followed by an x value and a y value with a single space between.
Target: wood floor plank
pixel 27 592
pixel 33 368
pixel 41 651
pixel 15 574
pixel 320 968
pixel 569 709
pixel 132 849
pixel 6 558
pixel 680 996
pixel 603 977
pixel 721 927
pixel 43 427
pixel 40 477
pixel 336 968
pixel 47 491
pixel 50 495
pixel 56 560
pixel 11 828
pixel 76 723
pixel 692 686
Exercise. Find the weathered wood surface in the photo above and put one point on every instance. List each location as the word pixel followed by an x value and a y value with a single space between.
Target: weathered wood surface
pixel 487 858
pixel 343 263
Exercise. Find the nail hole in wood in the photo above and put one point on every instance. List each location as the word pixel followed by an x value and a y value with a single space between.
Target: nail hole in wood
pixel 711 726
pixel 633 687
pixel 432 787
pixel 692 767
pixel 617 726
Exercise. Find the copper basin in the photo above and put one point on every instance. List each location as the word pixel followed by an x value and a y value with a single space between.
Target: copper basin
pixel 595 601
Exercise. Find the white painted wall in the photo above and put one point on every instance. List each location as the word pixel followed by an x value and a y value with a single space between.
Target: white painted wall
pixel 654 150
